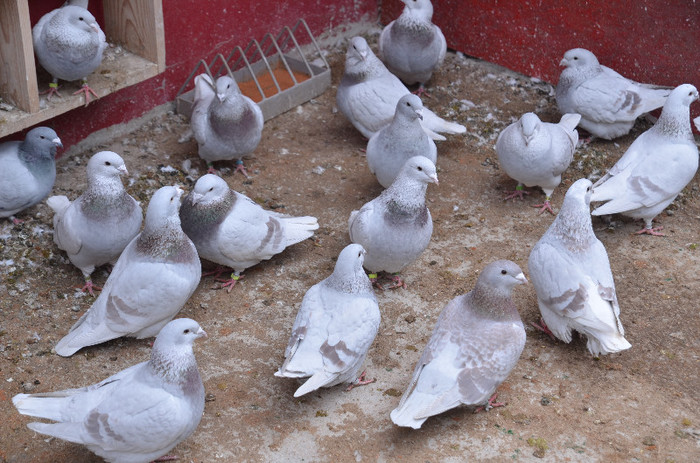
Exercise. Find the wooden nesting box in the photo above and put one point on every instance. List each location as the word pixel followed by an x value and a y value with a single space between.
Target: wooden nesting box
pixel 135 27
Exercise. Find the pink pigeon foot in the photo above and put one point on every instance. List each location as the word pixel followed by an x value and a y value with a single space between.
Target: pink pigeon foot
pixel 87 91
pixel 398 282
pixel 542 326
pixel 53 90
pixel 229 284
pixel 490 404
pixel 360 381
pixel 88 288
pixel 545 206
pixel 217 273
pixel 241 168
pixel 16 221
pixel 518 193
pixel 650 231
pixel 422 91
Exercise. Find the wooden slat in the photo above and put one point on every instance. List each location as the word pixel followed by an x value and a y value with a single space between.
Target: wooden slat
pixel 17 70
pixel 138 26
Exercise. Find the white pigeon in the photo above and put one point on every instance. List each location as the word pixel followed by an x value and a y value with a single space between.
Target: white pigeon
pixel 395 227
pixel 392 146
pixel 155 275
pixel 96 227
pixel 136 415
pixel 536 153
pixel 570 271
pixel 230 229
pixel 411 46
pixel 226 124
pixel 336 324
pixel 69 44
pixel 476 342
pixel 696 121
pixel 656 166
pixel 368 93
pixel 607 102
pixel 27 170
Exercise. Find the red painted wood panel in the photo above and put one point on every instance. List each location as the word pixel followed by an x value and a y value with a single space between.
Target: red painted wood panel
pixel 196 30
pixel 646 40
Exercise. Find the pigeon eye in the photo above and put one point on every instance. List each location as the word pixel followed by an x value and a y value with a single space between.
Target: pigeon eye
pixel 107 163
pixel 186 331
pixel 80 18
pixel 503 272
pixel 211 189
pixel 420 168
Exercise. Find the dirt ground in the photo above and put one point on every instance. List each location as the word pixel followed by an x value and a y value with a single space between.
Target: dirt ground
pixel 562 404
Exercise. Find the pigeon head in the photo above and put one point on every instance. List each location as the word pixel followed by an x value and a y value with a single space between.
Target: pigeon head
pixel 502 275
pixel 419 168
pixel 106 164
pixel 578 58
pixel 178 333
pixel 579 193
pixel 422 8
pixel 529 126
pixel 163 208
pixel 208 189
pixel 350 260
pixel 682 95
pixel 81 19
pixel 226 87
pixel 41 143
pixel 357 53
pixel 410 106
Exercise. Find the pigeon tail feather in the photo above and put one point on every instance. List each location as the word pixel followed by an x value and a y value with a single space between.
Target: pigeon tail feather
pixel 435 123
pixel 298 229
pixel 58 203
pixel 319 379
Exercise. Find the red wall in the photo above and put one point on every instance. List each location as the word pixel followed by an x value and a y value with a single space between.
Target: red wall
pixel 196 30
pixel 656 41
pixel 649 41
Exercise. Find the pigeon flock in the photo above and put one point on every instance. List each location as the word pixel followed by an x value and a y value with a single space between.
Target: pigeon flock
pixel 143 412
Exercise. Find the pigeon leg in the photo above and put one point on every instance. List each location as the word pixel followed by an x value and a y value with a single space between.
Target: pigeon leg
pixel 229 284
pixel 542 326
pixel 373 278
pixel 15 220
pixel 210 168
pixel 217 273
pixel 53 90
pixel 422 91
pixel 85 88
pixel 545 206
pixel 361 381
pixel 398 282
pixel 241 168
pixel 88 288
pixel 490 404
pixel 519 192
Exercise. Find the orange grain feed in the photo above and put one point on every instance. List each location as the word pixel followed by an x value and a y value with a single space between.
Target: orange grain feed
pixel 284 80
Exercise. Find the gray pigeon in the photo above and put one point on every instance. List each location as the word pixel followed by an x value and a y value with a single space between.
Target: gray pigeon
pixel 570 271
pixel 607 102
pixel 336 324
pixel 95 228
pixel 27 170
pixel 395 227
pixel 392 146
pixel 368 94
pixel 155 275
pixel 231 229
pixel 412 46
pixel 655 168
pixel 536 153
pixel 69 44
pixel 476 342
pixel 136 415
pixel 226 124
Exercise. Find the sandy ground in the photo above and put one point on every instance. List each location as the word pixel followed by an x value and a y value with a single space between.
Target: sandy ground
pixel 562 405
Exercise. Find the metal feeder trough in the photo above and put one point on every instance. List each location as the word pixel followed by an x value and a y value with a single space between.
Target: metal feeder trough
pixel 280 77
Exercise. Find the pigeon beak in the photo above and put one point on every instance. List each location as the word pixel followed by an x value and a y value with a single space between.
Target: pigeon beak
pixel 563 62
pixel 363 55
pixel 195 197
pixel 201 333
pixel 420 113
pixel 434 179
pixel 95 27
pixel 221 96
pixel 122 170
pixel 57 141
pixel 521 278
